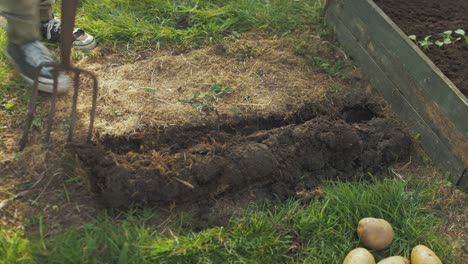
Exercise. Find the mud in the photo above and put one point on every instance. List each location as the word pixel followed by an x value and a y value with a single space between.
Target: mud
pixel 281 155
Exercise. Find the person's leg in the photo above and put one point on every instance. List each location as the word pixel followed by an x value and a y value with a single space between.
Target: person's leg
pixel 22 17
pixel 51 27
pixel 45 10
pixel 24 50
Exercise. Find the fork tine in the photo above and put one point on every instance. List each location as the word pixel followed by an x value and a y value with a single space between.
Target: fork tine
pixel 53 104
pixel 93 108
pixel 31 111
pixel 76 84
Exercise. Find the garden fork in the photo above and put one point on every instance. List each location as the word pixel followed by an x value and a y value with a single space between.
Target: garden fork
pixel 68 21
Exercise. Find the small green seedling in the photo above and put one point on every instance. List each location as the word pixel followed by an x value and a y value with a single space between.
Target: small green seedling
pixel 448 37
pixel 462 34
pixel 426 43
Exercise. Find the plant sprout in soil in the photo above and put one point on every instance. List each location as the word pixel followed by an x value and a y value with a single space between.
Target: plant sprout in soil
pixel 449 37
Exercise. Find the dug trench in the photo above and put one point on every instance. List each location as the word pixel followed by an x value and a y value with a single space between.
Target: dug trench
pixel 343 137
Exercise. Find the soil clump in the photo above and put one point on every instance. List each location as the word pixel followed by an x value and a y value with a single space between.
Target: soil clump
pixel 282 158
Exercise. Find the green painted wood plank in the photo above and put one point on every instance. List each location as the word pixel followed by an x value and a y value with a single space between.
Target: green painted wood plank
pixel 414 93
pixel 368 23
pixel 432 144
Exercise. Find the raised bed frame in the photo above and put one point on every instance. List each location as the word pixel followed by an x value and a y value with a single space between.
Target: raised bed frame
pixel 423 97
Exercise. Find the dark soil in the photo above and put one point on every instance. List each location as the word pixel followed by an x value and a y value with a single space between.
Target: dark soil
pixel 278 155
pixel 432 17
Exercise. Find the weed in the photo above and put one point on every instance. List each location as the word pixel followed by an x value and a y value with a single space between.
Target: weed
pixel 332 69
pixel 17 156
pixel 37 122
pixel 427 160
pixel 448 180
pixel 334 88
pixel 150 90
pixel 7 104
pixel 235 109
pixel 310 54
pixel 209 100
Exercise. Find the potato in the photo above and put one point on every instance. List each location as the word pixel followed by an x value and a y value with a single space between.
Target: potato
pixel 375 233
pixel 359 256
pixel 394 260
pixel 423 255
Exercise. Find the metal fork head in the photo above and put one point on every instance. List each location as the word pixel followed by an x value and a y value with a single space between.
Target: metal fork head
pixel 68 22
pixel 76 72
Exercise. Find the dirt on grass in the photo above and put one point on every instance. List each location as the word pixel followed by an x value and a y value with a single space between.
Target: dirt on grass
pixel 214 163
pixel 431 18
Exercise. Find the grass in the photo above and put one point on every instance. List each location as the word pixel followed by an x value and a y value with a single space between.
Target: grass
pixel 14 248
pixel 5 71
pixel 191 22
pixel 289 232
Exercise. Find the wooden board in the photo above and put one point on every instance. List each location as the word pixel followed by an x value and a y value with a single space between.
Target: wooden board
pixel 426 101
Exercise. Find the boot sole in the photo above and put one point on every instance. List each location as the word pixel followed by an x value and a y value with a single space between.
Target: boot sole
pixel 86 47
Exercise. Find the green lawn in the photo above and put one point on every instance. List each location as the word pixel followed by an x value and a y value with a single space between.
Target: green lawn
pixel 192 22
pixel 288 232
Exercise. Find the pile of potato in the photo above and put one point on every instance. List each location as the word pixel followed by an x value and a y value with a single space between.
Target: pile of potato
pixel 377 234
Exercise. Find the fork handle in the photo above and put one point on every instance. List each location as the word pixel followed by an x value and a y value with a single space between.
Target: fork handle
pixel 68 23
